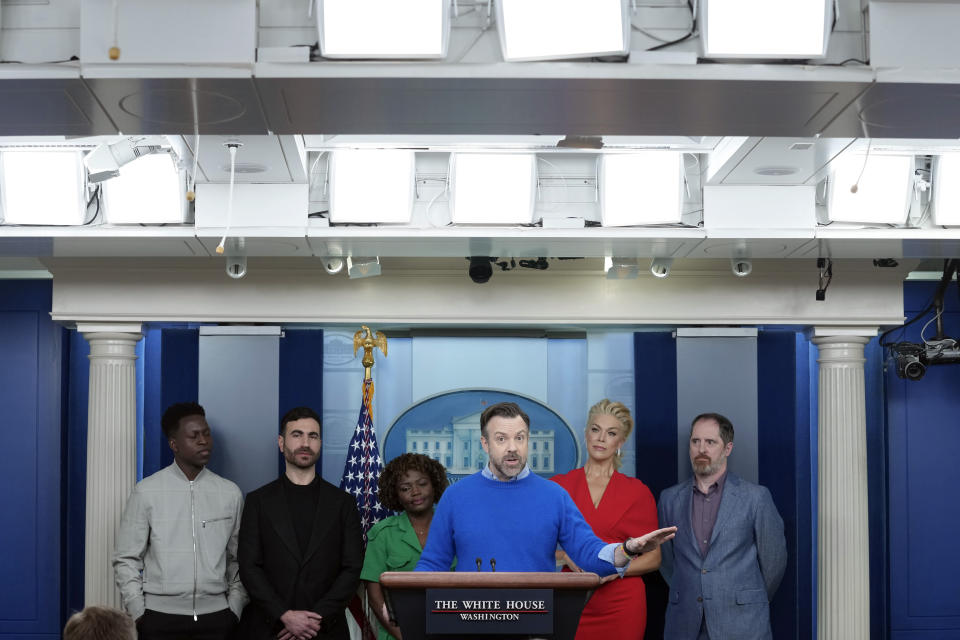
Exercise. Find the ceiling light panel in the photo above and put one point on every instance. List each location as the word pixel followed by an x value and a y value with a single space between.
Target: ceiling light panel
pixel 641 188
pixel 946 190
pixel 883 188
pixel 384 28
pixel 492 188
pixel 766 28
pixel 147 191
pixel 558 29
pixel 42 187
pixel 372 185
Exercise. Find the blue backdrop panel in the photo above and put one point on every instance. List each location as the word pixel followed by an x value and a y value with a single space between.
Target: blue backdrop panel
pixel 301 375
pixel 78 395
pixel 171 362
pixel 784 468
pixel 30 394
pixel 655 374
pixel 922 420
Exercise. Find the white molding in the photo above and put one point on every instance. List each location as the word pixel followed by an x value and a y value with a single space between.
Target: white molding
pixel 698 293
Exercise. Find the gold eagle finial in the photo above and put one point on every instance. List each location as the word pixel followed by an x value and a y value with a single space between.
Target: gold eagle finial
pixel 369 340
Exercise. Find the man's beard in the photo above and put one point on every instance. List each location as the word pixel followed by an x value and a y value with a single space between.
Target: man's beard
pixel 291 457
pixel 706 468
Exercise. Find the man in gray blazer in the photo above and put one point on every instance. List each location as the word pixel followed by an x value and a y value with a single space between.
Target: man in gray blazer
pixel 729 554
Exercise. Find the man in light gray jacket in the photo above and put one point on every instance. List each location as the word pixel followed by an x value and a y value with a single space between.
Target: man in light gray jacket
pixel 176 557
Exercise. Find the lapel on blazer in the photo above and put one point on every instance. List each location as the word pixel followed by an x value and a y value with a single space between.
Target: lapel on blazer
pixel 275 506
pixel 686 514
pixel 729 505
pixel 327 515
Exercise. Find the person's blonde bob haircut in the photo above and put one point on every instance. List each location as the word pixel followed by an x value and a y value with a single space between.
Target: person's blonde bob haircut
pixel 618 410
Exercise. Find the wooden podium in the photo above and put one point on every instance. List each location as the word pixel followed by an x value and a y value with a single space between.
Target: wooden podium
pixel 443 605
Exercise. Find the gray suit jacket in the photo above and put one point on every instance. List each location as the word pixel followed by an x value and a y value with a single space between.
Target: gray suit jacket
pixel 733 585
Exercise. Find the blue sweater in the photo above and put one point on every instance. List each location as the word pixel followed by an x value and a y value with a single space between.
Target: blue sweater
pixel 518 523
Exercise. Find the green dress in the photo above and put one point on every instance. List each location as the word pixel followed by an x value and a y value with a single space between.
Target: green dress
pixel 392 545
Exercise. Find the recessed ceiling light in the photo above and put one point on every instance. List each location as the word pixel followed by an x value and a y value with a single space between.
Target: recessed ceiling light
pixel 775 171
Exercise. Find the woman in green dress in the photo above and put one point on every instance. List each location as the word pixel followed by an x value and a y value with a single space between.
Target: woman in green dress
pixel 410 484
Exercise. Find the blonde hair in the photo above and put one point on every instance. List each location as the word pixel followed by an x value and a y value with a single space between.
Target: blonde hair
pixel 618 410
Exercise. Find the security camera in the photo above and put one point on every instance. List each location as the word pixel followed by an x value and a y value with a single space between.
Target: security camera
pixel 105 161
pixel 741 267
pixel 333 264
pixel 236 266
pixel 481 268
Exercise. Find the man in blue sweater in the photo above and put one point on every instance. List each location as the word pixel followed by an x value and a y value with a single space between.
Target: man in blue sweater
pixel 509 519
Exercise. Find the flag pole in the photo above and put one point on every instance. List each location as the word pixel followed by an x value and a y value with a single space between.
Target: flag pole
pixel 361 470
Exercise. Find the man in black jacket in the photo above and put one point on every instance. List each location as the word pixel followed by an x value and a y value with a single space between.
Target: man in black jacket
pixel 300 545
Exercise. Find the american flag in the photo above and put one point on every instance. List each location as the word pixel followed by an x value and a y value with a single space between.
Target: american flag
pixel 361 472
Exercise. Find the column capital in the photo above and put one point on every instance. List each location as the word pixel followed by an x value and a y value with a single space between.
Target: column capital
pixel 90 329
pixel 820 333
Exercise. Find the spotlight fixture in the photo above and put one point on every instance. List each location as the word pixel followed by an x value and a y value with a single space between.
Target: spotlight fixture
pixel 333 264
pixel 559 29
pixel 741 267
pixel 481 268
pixel 363 267
pixel 383 29
pixel 645 187
pixel 660 267
pixel 764 29
pixel 946 190
pixel 105 161
pixel 372 186
pixel 41 187
pixel 492 188
pixel 870 188
pixel 620 268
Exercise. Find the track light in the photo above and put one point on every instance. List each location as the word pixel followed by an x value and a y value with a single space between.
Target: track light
pixel 660 267
pixel 105 161
pixel 741 267
pixel 363 267
pixel 333 265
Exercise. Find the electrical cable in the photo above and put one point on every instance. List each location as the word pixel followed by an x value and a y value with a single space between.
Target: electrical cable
pixel 690 33
pixel 232 146
pixel 856 185
pixel 114 52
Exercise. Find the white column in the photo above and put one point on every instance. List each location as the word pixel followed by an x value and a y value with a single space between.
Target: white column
pixel 843 570
pixel 111 450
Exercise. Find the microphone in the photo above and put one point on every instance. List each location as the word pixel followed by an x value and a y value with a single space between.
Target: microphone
pixel 479 564
pixel 493 564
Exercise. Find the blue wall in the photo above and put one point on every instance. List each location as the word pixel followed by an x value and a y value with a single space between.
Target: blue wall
pixel 923 421
pixel 31 394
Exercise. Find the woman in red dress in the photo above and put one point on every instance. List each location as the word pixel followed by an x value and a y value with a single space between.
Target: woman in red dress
pixel 617 507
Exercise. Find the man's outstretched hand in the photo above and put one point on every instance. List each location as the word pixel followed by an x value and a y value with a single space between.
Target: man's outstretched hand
pixel 650 541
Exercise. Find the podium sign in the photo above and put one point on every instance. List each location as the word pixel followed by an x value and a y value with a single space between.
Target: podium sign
pixel 501 605
pixel 487 612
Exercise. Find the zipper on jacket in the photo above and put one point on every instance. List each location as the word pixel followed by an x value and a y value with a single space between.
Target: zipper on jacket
pixel 203 523
pixel 193 526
